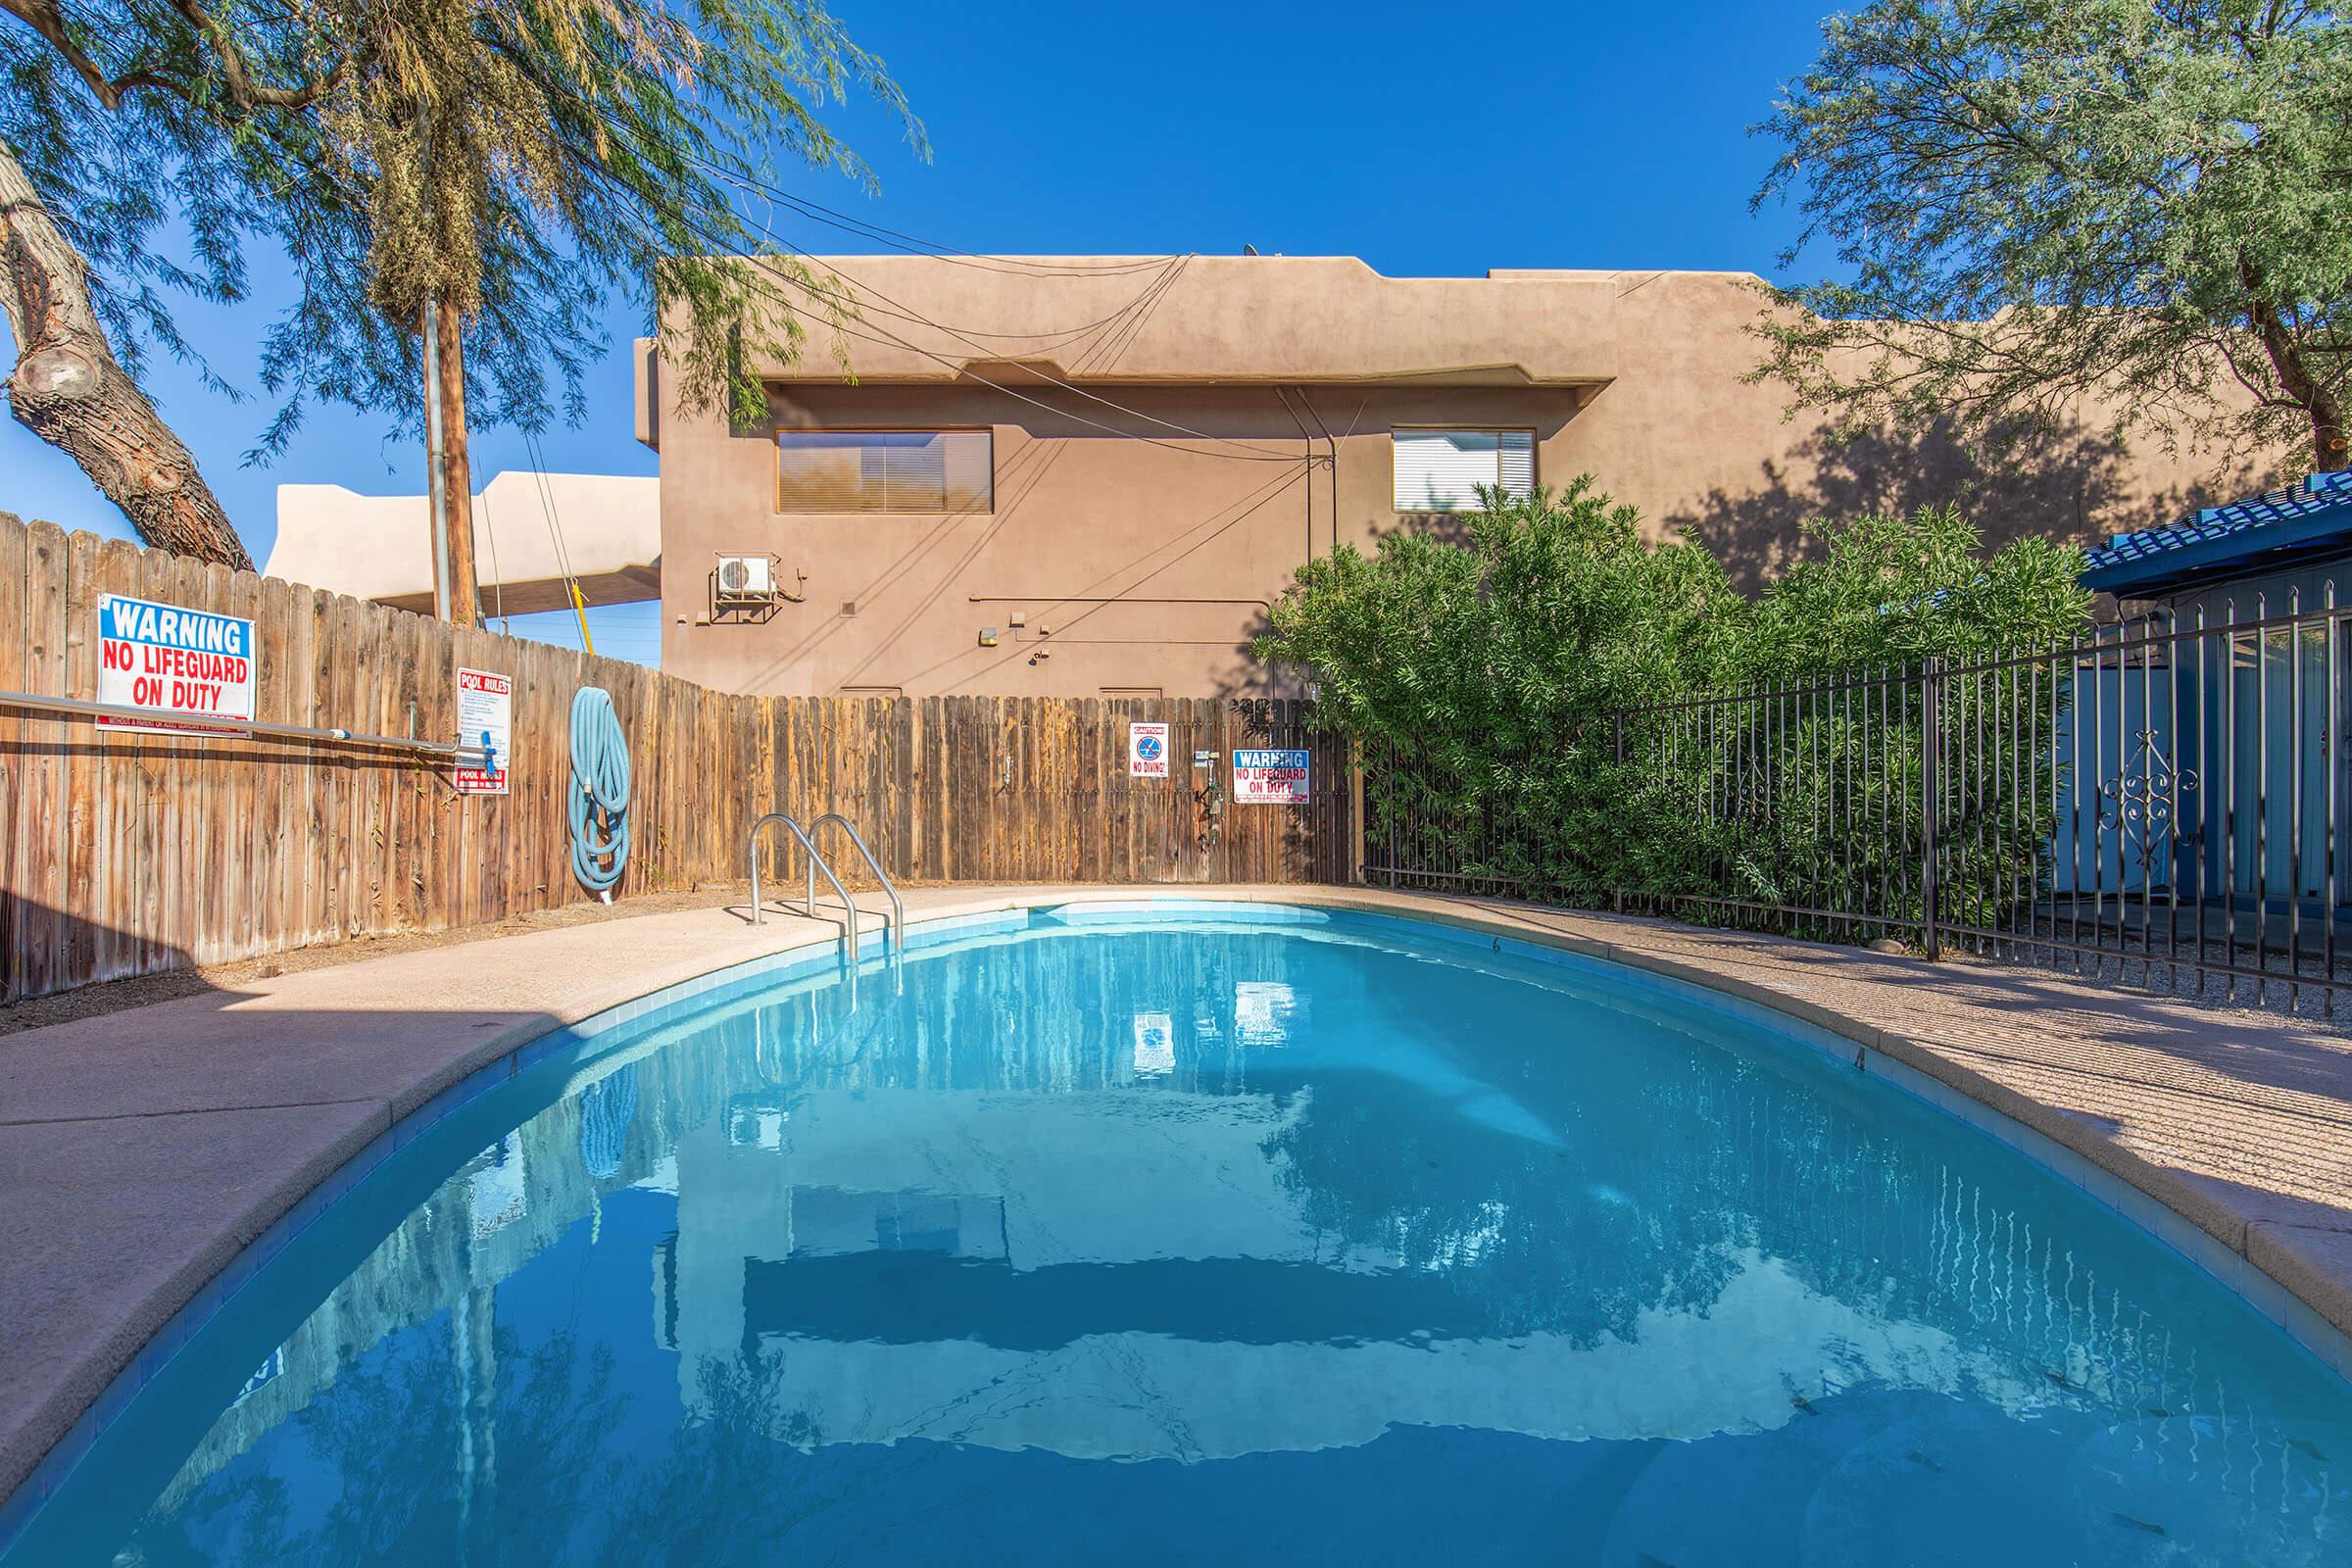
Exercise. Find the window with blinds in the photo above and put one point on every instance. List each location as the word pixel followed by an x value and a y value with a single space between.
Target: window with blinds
pixel 885 471
pixel 1441 471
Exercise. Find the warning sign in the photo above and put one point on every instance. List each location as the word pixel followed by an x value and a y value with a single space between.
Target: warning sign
pixel 1155 1044
pixel 485 718
pixel 1148 751
pixel 191 669
pixel 1262 777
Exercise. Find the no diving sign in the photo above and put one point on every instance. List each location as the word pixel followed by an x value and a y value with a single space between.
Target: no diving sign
pixel 1148 751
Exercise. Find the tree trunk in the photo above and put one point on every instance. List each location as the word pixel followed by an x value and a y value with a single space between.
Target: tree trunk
pixel 456 473
pixel 68 389
pixel 2327 437
pixel 2296 377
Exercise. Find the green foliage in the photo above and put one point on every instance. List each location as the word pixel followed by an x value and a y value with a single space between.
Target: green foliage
pixel 1484 661
pixel 1888 591
pixel 2034 199
pixel 1520 699
pixel 1551 607
pixel 523 160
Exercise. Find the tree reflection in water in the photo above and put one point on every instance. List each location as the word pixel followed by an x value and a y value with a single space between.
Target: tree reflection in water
pixel 788 1279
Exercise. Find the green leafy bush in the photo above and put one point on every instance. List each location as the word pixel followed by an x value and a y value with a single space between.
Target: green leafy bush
pixel 1513 691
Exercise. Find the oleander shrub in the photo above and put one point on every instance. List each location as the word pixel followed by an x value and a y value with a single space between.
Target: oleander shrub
pixel 1551 704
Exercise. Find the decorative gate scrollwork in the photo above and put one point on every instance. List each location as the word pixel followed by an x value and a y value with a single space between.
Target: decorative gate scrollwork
pixel 2142 802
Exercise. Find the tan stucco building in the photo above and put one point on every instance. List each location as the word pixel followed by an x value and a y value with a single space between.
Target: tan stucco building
pixel 1083 475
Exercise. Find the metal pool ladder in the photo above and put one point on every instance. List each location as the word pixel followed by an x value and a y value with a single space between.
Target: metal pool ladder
pixel 896 932
pixel 896 936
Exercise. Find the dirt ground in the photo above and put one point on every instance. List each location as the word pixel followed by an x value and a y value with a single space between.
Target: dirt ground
pixel 114 994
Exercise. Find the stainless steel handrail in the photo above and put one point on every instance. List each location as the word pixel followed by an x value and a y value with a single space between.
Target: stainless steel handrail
pixel 296 732
pixel 896 934
pixel 817 864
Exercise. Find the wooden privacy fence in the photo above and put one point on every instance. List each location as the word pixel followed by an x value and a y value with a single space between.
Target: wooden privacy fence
pixel 125 853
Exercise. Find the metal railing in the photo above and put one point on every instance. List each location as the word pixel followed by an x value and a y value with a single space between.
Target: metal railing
pixel 896 935
pixel 817 864
pixel 2156 803
pixel 201 726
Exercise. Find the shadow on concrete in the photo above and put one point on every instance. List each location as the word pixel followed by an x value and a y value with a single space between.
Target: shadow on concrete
pixel 142 1149
pixel 47 951
pixel 48 954
pixel 511 1199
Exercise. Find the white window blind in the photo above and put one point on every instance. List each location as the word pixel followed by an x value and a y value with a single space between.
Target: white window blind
pixel 1441 471
pixel 884 470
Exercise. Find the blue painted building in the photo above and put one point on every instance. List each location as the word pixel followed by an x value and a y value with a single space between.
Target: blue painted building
pixel 2207 733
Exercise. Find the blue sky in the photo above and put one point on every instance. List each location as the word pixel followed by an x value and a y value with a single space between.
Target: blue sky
pixel 1566 135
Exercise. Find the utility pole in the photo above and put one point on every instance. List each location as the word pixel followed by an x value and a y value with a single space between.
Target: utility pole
pixel 449 476
pixel 449 479
pixel 436 475
pixel 456 475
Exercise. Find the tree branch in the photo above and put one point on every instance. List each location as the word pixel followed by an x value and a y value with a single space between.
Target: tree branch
pixel 44 18
pixel 47 19
pixel 67 387
pixel 239 76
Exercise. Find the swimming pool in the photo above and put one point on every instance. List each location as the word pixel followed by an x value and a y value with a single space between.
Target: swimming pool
pixel 1180 1235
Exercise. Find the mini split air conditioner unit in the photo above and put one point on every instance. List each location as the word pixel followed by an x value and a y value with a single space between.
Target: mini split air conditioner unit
pixel 746 579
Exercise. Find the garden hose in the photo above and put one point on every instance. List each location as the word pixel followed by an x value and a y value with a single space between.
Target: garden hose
pixel 605 1108
pixel 599 798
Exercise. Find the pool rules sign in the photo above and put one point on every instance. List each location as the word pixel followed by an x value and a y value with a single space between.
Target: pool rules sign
pixel 190 668
pixel 485 718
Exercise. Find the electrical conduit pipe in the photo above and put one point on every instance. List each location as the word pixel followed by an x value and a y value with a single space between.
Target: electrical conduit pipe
pixel 598 797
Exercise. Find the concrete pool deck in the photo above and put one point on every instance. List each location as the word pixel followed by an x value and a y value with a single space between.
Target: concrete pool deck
pixel 142 1151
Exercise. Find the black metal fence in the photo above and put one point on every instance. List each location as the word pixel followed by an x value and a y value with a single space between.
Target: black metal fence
pixel 2157 803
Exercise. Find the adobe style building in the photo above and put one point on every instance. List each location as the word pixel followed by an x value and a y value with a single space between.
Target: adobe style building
pixel 1088 476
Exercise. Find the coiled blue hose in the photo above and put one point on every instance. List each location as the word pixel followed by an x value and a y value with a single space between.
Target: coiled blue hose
pixel 599 798
pixel 606 1108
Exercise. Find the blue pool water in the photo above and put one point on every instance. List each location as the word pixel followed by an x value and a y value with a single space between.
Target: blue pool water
pixel 1209 1240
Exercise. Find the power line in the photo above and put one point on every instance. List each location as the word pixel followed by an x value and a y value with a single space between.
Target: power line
pixel 554 533
pixel 498 578
pixel 834 218
pixel 1058 338
pixel 1111 346
pixel 906 312
pixel 1049 338
pixel 889 339
pixel 1250 505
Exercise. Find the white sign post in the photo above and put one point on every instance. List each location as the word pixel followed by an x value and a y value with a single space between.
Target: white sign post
pixel 1148 751
pixel 191 669
pixel 1270 778
pixel 485 718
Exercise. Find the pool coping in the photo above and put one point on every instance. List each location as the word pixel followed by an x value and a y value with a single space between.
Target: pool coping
pixel 2298 1277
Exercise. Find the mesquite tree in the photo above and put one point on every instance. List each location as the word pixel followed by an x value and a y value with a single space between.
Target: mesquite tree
pixel 2036 199
pixel 518 163
pixel 110 127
